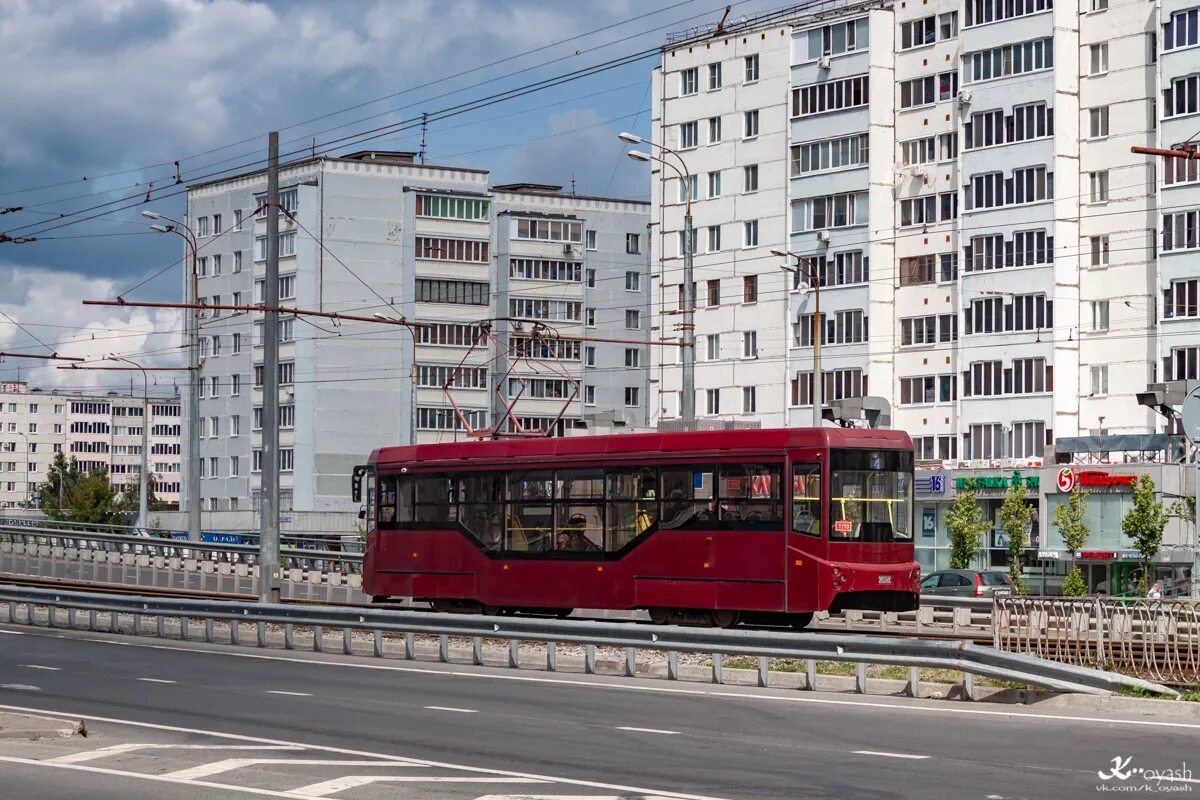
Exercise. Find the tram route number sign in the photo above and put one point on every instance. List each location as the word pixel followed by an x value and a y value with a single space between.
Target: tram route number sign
pixel 843 526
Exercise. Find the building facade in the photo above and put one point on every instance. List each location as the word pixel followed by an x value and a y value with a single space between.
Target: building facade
pixel 99 431
pixel 993 260
pixel 483 272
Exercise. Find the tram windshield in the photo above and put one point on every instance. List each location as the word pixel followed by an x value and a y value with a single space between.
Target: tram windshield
pixel 870 497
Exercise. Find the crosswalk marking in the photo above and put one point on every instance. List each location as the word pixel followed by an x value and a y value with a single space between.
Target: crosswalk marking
pixel 217 767
pixel 129 747
pixel 326 788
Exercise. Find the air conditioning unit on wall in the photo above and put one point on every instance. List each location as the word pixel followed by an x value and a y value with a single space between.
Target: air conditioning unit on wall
pixel 823 62
pixel 823 236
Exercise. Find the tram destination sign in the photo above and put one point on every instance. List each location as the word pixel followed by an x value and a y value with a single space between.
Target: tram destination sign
pixel 1000 482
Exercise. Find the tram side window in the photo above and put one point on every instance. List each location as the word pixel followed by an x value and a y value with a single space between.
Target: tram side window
pixel 687 497
pixel 432 501
pixel 632 505
pixel 530 523
pixel 370 504
pixel 579 510
pixel 481 509
pixel 750 497
pixel 806 499
pixel 387 500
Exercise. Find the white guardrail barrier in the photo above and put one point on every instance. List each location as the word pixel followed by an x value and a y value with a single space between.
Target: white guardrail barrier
pixel 126 614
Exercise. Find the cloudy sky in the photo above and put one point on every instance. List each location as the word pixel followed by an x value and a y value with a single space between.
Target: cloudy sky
pixel 116 91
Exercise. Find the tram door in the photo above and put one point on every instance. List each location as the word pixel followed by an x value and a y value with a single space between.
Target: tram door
pixel 807 542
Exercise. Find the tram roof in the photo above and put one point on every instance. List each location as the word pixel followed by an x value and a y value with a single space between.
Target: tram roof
pixel 632 445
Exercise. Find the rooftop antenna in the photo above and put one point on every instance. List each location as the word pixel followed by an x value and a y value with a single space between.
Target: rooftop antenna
pixel 572 184
pixel 424 129
pixel 312 147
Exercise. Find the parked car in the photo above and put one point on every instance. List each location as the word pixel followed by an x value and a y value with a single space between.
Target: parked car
pixel 967 583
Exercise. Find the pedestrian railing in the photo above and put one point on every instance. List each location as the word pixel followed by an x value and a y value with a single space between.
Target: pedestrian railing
pixel 1156 639
pixel 129 614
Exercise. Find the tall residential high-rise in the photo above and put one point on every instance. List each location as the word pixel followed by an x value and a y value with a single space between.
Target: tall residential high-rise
pixel 482 271
pixel 993 261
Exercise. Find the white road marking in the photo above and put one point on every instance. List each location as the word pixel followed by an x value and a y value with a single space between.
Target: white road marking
pixel 889 755
pixel 20 687
pixel 229 764
pixel 258 743
pixel 326 788
pixel 40 666
pixel 568 797
pixel 449 708
pixel 289 694
pixel 155 680
pixel 648 730
pixel 129 747
pixel 15 633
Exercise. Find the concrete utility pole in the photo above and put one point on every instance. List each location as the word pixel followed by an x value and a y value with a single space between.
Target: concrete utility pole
pixel 805 267
pixel 268 540
pixel 687 403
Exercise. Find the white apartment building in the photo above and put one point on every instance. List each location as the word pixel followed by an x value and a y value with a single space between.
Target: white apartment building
pixel 100 431
pixel 993 260
pixel 481 270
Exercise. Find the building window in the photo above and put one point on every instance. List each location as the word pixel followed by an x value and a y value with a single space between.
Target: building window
pixel 1099 186
pixel 749 399
pixel 1180 170
pixel 1099 315
pixel 714 293
pixel 287 459
pixel 235 466
pixel 589 395
pixel 750 124
pixel 689 135
pixel 714 76
pixel 633 282
pixel 750 178
pixel 202 228
pixel 1179 230
pixel 237 219
pixel 981 12
pixel 993 190
pixel 1182 96
pixel 633 357
pixel 1098 59
pixel 589 240
pixel 1099 5
pixel 846 151
pixel 830 96
pixel 590 276
pixel 831 211
pixel 714 184
pixel 948 25
pixel 1099 376
pixel 712 401
pixel 1181 29
pixel 750 344
pixel 1183 363
pixel 631 397
pixel 589 355
pixel 540 269
pixel 537 308
pixel 543 230
pixel 1098 122
pixel 750 289
pixel 436 290
pixel 1028 439
pixel 712 343
pixel 690 189
pixel 633 319
pixel 445 207
pixel 750 233
pixel 750 71
pixel 1009 59
pixel 633 243
pixel 714 130
pixel 714 238
pixel 689 80
pixel 683 242
pixel 918 32
pixel 1180 299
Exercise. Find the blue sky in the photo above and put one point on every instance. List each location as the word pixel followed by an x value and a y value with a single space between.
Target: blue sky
pixel 130 86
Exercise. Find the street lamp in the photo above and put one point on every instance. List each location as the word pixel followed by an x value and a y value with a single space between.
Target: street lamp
pixel 687 408
pixel 412 378
pixel 192 489
pixel 142 478
pixel 805 267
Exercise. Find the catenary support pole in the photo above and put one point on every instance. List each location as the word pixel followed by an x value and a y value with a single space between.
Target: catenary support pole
pixel 268 540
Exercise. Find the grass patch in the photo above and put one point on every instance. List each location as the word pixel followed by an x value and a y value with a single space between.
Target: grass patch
pixel 1191 697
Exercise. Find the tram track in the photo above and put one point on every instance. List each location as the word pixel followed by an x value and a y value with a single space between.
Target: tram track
pixel 191 594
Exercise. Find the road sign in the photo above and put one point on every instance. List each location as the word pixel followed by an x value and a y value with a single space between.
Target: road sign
pixel 1191 415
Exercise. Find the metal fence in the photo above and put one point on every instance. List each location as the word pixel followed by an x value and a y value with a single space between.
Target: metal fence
pixel 125 613
pixel 1156 639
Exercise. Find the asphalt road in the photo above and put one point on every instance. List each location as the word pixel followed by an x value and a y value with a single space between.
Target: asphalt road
pixel 712 741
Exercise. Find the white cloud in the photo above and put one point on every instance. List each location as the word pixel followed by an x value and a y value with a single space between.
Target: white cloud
pixel 43 300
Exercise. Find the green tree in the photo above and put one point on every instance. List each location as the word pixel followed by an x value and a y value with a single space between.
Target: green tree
pixel 1145 523
pixel 93 499
pixel 61 480
pixel 128 501
pixel 965 524
pixel 1016 516
pixel 1069 520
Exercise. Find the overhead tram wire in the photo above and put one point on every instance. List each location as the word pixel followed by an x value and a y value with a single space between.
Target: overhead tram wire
pixel 365 103
pixel 414 122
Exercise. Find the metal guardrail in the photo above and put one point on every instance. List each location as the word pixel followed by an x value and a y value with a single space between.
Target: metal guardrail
pixel 1157 639
pixel 290 557
pixel 343 541
pixel 973 660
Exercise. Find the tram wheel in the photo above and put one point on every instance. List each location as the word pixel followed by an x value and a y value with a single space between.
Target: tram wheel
pixel 491 611
pixel 801 621
pixel 660 616
pixel 724 619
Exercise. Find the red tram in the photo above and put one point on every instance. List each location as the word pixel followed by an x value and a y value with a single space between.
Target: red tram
pixel 693 527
